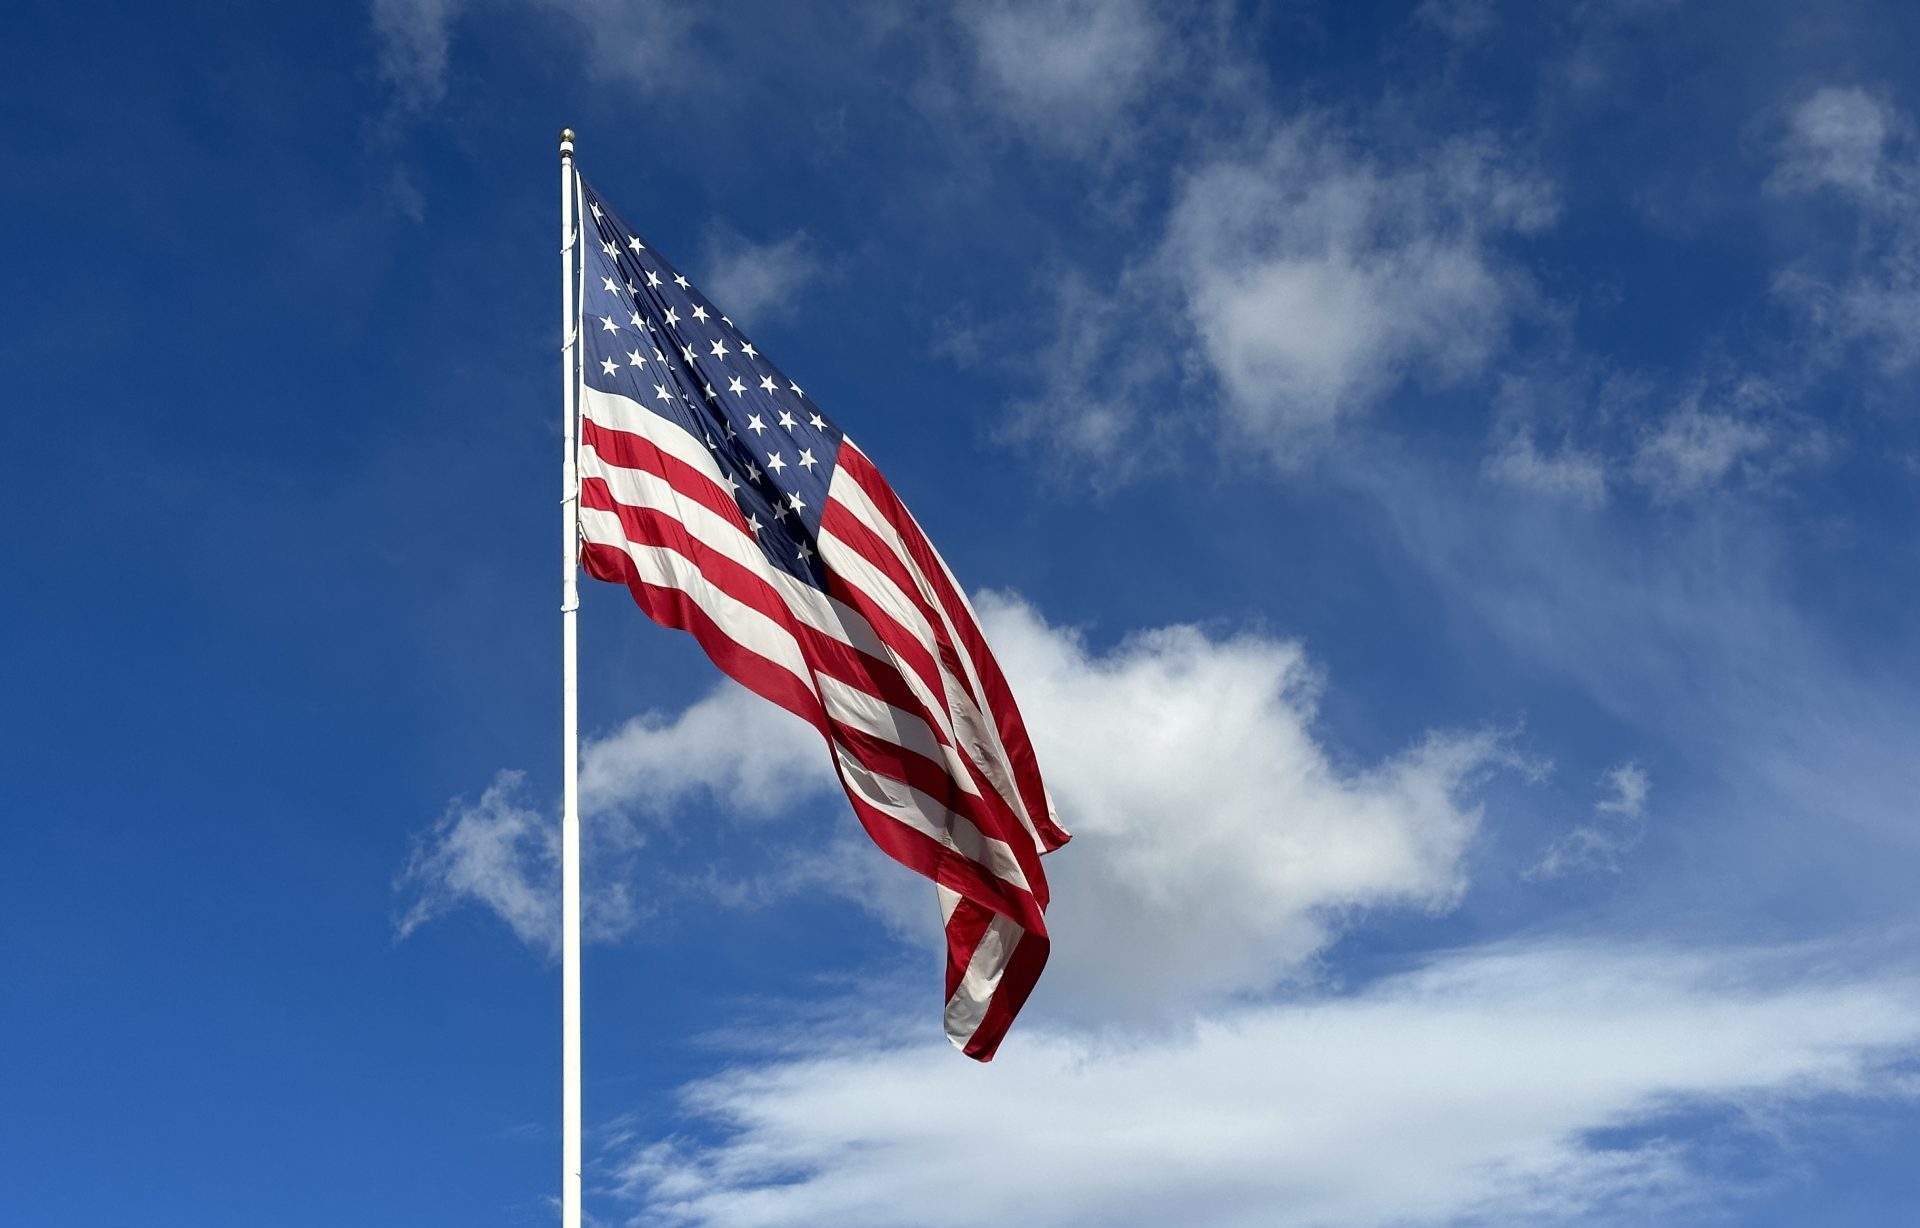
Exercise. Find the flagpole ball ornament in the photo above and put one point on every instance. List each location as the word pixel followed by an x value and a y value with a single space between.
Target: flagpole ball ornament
pixel 566 142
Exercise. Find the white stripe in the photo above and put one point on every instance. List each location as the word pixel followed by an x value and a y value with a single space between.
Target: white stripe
pixel 623 413
pixel 974 994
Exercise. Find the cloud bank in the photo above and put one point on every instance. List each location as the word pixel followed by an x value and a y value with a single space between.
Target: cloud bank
pixel 1484 1086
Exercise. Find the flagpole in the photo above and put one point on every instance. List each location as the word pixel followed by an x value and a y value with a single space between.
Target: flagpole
pixel 570 718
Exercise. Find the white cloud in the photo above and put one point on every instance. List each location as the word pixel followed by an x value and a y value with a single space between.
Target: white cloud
pixel 757 281
pixel 497 853
pixel 1695 449
pixel 1308 280
pixel 1618 825
pixel 1318 277
pixel 1470 1090
pixel 1846 143
pixel 1837 138
pixel 1065 72
pixel 413 37
pixel 1567 473
pixel 1217 845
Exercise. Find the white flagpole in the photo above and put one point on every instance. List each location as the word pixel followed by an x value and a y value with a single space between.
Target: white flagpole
pixel 570 719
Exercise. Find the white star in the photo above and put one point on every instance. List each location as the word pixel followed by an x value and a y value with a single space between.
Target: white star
pixel 657 355
pixel 596 211
pixel 711 446
pixel 711 395
pixel 719 349
pixel 795 503
pixel 607 323
pixel 806 459
pixel 653 278
pixel 660 392
pixel 755 425
pixel 727 322
pixel 635 245
pixel 726 480
pixel 746 347
pixel 611 249
pixel 753 523
pixel 736 388
pixel 700 313
pixel 819 423
pixel 631 288
pixel 753 475
pixel 680 281
pixel 766 383
pixel 776 462
pixel 637 321
pixel 806 552
pixel 673 317
pixel 796 389
pixel 686 352
pixel 608 283
pixel 606 364
pixel 786 420
pixel 634 359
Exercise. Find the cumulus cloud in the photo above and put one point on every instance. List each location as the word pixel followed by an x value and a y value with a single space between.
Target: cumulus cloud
pixel 1064 72
pixel 1218 843
pixel 1475 1088
pixel 1619 822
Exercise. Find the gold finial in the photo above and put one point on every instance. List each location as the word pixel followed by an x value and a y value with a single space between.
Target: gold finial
pixel 566 142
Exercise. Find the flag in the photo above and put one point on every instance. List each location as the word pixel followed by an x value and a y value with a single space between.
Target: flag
pixel 731 507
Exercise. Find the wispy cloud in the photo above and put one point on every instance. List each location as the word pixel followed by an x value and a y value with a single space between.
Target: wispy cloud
pixel 758 281
pixel 1065 72
pixel 1475 1089
pixel 1619 823
pixel 1845 144
pixel 414 36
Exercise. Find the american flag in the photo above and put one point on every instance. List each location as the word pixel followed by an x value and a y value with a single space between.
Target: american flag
pixel 731 507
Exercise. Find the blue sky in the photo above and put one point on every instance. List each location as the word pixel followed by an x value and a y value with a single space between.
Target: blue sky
pixel 1441 478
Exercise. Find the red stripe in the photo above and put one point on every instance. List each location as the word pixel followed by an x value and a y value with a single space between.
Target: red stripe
pixel 965 928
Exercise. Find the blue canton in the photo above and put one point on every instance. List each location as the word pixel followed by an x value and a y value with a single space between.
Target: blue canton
pixel 649 335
